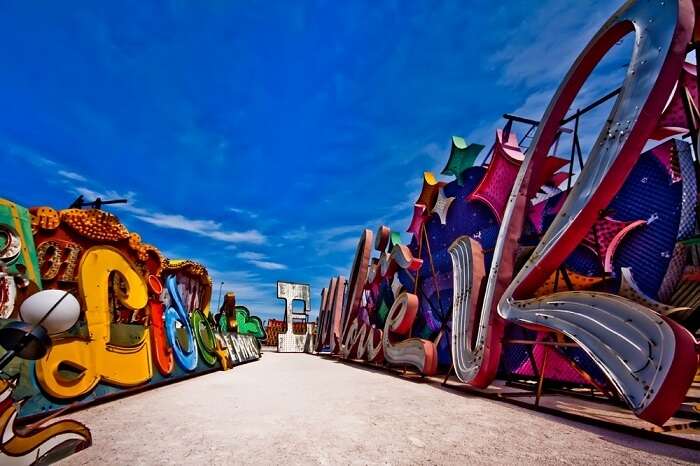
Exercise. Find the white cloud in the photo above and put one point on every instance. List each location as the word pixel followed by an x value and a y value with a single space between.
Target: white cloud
pixel 333 232
pixel 339 238
pixel 298 234
pixel 538 53
pixel 347 243
pixel 249 288
pixel 268 265
pixel 243 212
pixel 251 256
pixel 177 222
pixel 541 49
pixel 248 236
pixel 437 152
pixel 260 260
pixel 91 195
pixel 71 175
pixel 201 227
pixel 28 154
pixel 535 105
pixel 206 228
pixel 325 241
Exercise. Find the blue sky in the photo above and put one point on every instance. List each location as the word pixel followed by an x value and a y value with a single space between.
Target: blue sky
pixel 260 137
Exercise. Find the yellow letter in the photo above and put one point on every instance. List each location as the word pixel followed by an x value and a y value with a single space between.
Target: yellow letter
pixel 96 359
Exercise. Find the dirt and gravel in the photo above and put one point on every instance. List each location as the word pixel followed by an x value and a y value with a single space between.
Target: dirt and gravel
pixel 303 409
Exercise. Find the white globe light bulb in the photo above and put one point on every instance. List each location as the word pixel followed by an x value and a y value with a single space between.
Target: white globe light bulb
pixel 62 318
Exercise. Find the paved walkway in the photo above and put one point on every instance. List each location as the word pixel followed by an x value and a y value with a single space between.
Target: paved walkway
pixel 303 409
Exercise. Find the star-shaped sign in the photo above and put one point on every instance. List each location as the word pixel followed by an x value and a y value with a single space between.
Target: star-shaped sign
pixel 418 220
pixel 403 258
pixel 430 189
pixel 383 311
pixel 442 205
pixel 381 239
pixel 394 239
pixel 462 156
pixel 396 286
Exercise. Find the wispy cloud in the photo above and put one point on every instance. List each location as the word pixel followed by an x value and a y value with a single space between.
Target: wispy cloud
pixel 346 244
pixel 297 234
pixel 329 240
pixel 436 151
pixel 251 256
pixel 337 239
pixel 207 228
pixel 541 49
pixel 202 227
pixel 26 153
pixel 245 212
pixel 250 289
pixel 334 232
pixel 268 265
pixel 90 194
pixel 248 236
pixel 260 260
pixel 537 56
pixel 72 175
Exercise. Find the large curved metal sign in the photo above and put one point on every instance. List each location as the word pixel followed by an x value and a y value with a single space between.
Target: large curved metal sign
pixel 651 370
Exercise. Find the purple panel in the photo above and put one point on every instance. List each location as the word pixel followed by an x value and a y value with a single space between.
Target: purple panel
pixel 463 218
pixel 649 193
pixel 584 261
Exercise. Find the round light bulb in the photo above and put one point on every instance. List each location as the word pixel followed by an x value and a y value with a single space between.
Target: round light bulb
pixel 62 318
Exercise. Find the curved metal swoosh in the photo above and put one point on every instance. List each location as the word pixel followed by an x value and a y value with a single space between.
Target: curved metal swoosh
pixel 651 370
pixel 401 350
pixel 634 346
pixel 468 275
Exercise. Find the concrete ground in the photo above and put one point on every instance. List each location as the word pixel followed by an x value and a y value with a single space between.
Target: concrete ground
pixel 303 409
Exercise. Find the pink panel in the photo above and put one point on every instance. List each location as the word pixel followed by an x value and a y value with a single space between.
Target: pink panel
pixel 495 188
pixel 673 119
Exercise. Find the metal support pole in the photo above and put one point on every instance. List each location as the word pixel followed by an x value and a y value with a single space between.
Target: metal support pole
pixel 7 357
pixel 449 373
pixel 574 138
pixel 218 303
pixel 591 106
pixel 540 384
